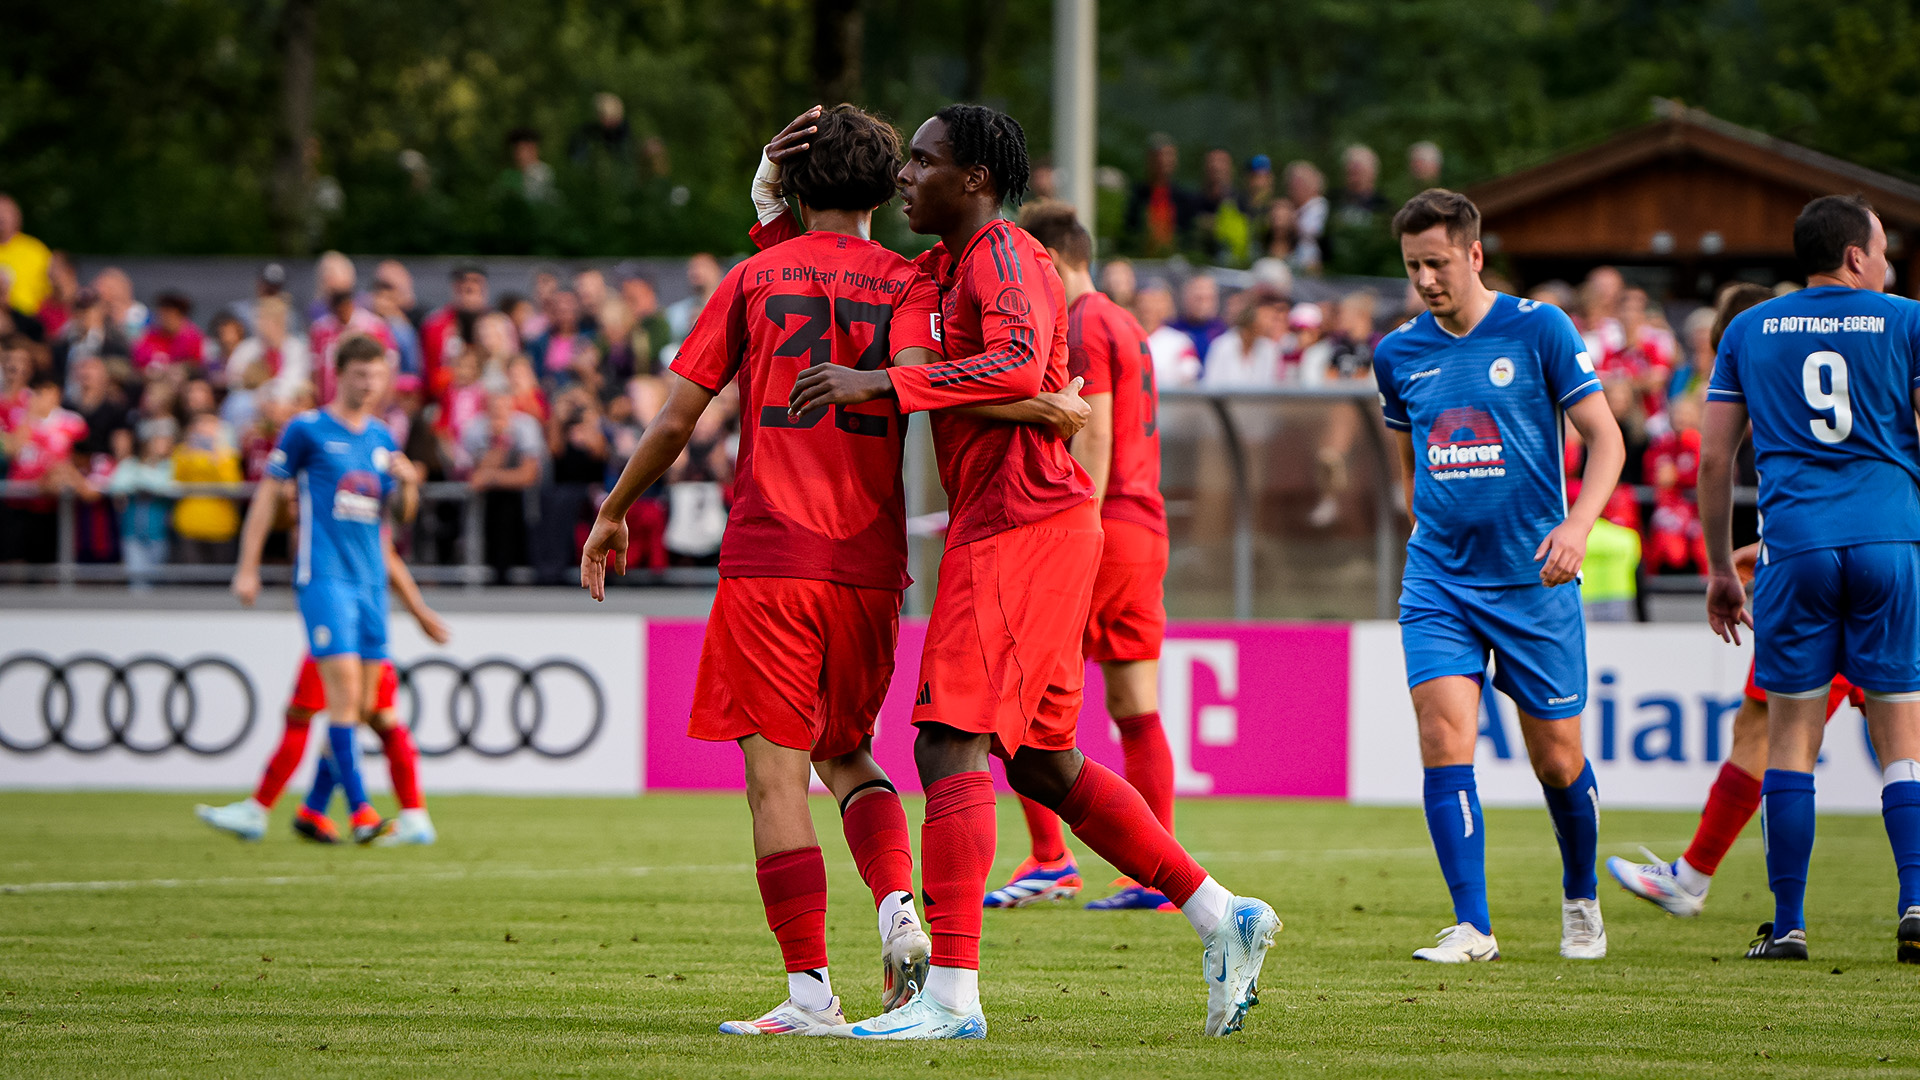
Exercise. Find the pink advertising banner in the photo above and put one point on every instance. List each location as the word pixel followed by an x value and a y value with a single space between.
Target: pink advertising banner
pixel 1250 709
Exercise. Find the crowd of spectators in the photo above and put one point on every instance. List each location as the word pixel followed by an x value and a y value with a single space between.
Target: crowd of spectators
pixel 534 400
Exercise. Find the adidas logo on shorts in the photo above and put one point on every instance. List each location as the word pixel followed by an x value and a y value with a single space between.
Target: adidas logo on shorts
pixel 926 695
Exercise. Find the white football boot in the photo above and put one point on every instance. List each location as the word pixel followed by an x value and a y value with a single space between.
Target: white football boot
pixel 903 961
pixel 789 1019
pixel 413 827
pixel 1231 962
pixel 1461 944
pixel 1582 935
pixel 245 819
pixel 920 1018
pixel 1656 882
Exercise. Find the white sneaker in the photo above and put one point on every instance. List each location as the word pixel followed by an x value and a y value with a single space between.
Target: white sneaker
pixel 1656 882
pixel 1582 935
pixel 920 1018
pixel 1460 944
pixel 1231 962
pixel 245 819
pixel 414 827
pixel 789 1019
pixel 903 961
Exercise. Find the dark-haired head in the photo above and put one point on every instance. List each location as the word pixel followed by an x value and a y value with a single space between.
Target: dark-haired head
pixel 1439 234
pixel 1057 226
pixel 1438 206
pixel 850 164
pixel 1839 235
pixel 1733 300
pixel 964 163
pixel 992 140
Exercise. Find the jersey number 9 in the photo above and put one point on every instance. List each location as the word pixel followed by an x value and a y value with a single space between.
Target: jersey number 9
pixel 1833 401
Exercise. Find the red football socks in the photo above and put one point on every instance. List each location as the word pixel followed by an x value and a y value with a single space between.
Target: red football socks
pixel 956 854
pixel 403 764
pixel 1112 818
pixel 793 886
pixel 1149 763
pixel 285 760
pixel 1043 826
pixel 876 829
pixel 1731 803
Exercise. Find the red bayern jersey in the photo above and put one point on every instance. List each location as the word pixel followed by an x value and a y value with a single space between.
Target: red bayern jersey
pixel 819 497
pixel 1107 348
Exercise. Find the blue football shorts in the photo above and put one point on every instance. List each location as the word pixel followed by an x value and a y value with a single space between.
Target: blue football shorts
pixel 1853 611
pixel 1538 634
pixel 344 618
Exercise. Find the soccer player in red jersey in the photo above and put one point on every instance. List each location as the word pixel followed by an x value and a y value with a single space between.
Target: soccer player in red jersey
pixel 800 642
pixel 247 818
pixel 1120 449
pixel 1002 670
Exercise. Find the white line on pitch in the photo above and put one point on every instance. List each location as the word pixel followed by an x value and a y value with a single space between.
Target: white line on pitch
pixel 355 879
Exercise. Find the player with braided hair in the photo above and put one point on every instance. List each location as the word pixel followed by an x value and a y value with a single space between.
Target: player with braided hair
pixel 1002 671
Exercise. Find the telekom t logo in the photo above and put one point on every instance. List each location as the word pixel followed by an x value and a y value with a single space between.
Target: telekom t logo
pixel 1214 725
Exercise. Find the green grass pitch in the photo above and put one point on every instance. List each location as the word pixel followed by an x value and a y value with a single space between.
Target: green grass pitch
pixel 608 937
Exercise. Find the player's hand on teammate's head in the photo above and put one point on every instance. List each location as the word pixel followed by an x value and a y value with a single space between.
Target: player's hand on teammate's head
pixel 1561 553
pixel 608 539
pixel 246 586
pixel 432 625
pixel 793 138
pixel 831 384
pixel 1727 606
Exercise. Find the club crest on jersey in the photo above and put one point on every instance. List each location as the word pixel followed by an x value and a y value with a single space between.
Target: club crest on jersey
pixel 1012 302
pixel 1501 373
pixel 1465 443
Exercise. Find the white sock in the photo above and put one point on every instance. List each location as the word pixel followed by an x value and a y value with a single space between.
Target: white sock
pixel 1207 908
pixel 1901 771
pixel 1690 879
pixel 416 815
pixel 256 804
pixel 957 989
pixel 893 904
pixel 808 992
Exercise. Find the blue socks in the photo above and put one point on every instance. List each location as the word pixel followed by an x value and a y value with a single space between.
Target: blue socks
pixel 1900 809
pixel 1576 825
pixel 343 751
pixel 1460 840
pixel 325 781
pixel 1786 824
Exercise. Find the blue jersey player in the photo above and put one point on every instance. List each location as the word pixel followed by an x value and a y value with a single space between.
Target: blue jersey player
pixel 1477 391
pixel 1830 378
pixel 342 467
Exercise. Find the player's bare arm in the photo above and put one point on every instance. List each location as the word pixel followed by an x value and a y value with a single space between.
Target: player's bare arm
pixel 406 503
pixel 1565 548
pixel 1093 446
pixel 401 580
pixel 663 442
pixel 1403 440
pixel 1065 412
pixel 253 537
pixel 1722 427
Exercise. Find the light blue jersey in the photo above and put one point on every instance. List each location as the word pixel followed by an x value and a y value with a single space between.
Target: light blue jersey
pixel 343 487
pixel 1485 411
pixel 1827 376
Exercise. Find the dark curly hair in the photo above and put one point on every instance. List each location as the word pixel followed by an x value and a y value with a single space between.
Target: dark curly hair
pixel 850 165
pixel 990 138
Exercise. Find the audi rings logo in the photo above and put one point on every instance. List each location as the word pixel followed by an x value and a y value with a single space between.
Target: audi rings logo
pixel 497 706
pixel 148 704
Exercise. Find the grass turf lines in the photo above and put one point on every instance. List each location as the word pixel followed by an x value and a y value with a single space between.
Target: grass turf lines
pixel 608 937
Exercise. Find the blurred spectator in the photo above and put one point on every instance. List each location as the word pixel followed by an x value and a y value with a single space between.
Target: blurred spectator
pixel 448 330
pixel 1599 309
pixel 1647 354
pixel 1308 356
pixel 271 282
pixel 98 401
pixel 227 332
pixel 1200 312
pixel 578 448
pixel 1425 164
pixel 523 386
pixel 697 492
pixel 1044 181
pixel 527 321
pixel 1280 233
pixel 400 280
pixel 1345 352
pixel 590 285
pixel 39 444
pixel 608 133
pixel 273 361
pixel 390 309
pixel 1256 198
pixel 1697 357
pixel 205 526
pixel 1361 243
pixel 1306 189
pixel 1220 227
pixel 1609 577
pixel 1160 212
pixel 647 521
pixel 89 333
pixel 144 488
pixel 333 274
pixel 555 352
pixel 1248 357
pixel 344 316
pixel 26 259
pixel 703 277
pixel 528 177
pixel 63 283
pixel 1118 282
pixel 173 338
pixel 508 453
pixel 1175 361
pixel 127 316
pixel 1559 294
pixel 650 332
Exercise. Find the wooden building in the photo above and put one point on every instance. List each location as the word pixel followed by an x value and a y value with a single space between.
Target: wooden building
pixel 1681 206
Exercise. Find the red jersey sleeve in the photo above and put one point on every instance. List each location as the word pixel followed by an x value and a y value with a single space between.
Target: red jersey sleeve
pixel 916 318
pixel 784 228
pixel 717 343
pixel 1009 291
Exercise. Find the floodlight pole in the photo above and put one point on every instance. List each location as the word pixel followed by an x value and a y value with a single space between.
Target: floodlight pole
pixel 1075 71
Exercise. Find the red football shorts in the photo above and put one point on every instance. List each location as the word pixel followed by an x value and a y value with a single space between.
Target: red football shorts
pixel 1003 642
pixel 1842 691
pixel 310 693
pixel 1129 616
pixel 803 663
